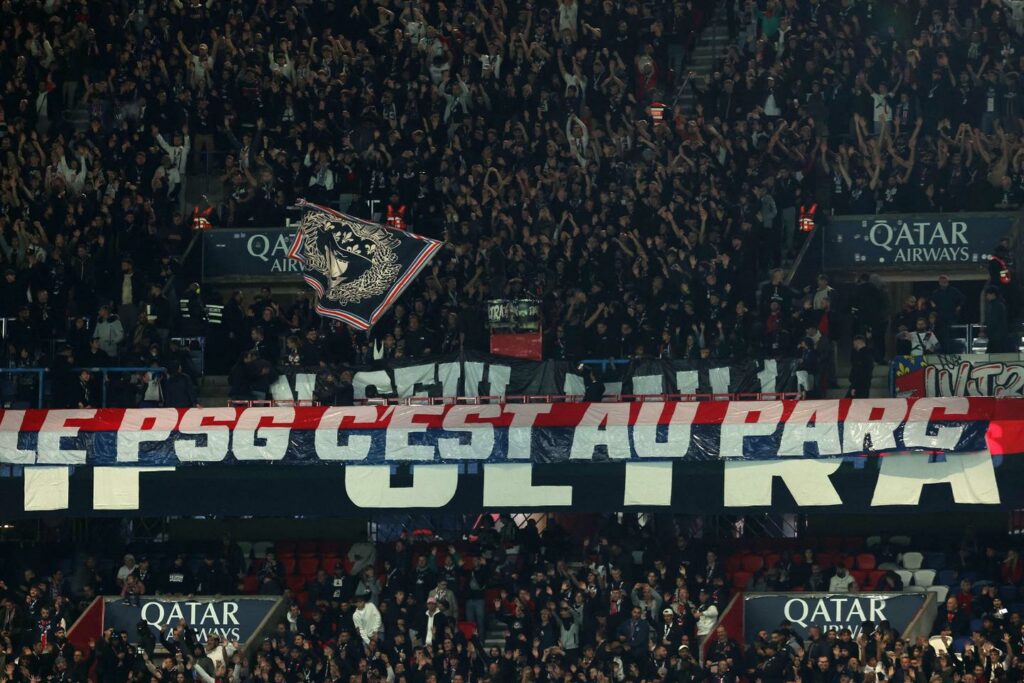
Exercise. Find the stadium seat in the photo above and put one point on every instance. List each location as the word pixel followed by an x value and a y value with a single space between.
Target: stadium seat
pixel 733 563
pixel 915 589
pixel 250 584
pixel 958 644
pixel 289 563
pixel 924 577
pixel 771 560
pixel 948 577
pixel 468 629
pixel 246 548
pixel 933 560
pixel 906 576
pixel 305 547
pixel 330 547
pixel 309 565
pixel 872 541
pixel 889 566
pixel 902 541
pixel 1008 593
pixel 752 563
pixel 866 561
pixel 861 577
pixel 911 560
pixel 875 576
pixel 740 580
pixel 848 561
pixel 941 593
pixel 295 583
pixel 975 625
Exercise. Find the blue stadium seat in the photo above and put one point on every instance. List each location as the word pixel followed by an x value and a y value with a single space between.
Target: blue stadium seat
pixel 1008 593
pixel 936 561
pixel 948 577
pixel 975 625
pixel 958 643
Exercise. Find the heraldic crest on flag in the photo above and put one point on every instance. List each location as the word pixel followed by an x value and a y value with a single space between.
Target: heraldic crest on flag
pixel 357 268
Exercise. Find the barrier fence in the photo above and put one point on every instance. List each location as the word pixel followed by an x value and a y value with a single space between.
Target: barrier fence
pixel 9 382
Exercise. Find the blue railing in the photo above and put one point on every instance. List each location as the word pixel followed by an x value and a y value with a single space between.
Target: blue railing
pixel 40 380
pixel 106 373
pixel 41 374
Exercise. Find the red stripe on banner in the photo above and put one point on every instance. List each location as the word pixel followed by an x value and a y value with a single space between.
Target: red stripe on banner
pixel 1004 416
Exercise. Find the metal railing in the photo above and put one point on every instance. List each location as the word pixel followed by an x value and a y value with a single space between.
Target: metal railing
pixel 105 373
pixel 40 380
pixel 529 398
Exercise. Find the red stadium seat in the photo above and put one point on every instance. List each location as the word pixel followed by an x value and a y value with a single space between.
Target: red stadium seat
pixel 866 561
pixel 305 547
pixel 309 565
pixel 250 584
pixel 330 547
pixel 875 576
pixel 771 560
pixel 289 564
pixel 752 563
pixel 295 583
pixel 733 563
pixel 740 580
pixel 861 577
pixel 468 629
pixel 847 561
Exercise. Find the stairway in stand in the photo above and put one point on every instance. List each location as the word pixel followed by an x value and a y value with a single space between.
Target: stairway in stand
pixel 711 46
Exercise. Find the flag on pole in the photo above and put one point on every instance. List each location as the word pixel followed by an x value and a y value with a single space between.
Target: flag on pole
pixel 358 268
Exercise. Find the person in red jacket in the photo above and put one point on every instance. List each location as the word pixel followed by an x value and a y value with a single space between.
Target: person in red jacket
pixel 952 618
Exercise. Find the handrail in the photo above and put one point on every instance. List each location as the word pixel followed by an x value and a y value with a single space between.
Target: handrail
pixel 531 398
pixel 106 371
pixel 40 372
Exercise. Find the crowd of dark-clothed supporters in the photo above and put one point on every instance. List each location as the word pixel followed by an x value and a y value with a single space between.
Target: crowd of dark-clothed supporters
pixel 627 604
pixel 542 140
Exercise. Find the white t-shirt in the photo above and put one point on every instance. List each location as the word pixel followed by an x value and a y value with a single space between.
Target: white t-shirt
pixel 840 584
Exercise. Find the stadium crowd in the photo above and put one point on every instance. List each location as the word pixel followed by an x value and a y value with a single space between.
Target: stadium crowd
pixel 544 141
pixel 626 604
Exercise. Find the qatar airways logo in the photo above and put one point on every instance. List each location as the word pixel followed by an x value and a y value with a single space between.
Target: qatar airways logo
pixel 920 241
pixel 206 618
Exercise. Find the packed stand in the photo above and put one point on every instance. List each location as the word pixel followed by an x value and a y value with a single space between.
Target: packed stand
pixel 628 603
pixel 540 140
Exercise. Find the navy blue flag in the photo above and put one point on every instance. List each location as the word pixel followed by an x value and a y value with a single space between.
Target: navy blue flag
pixel 357 268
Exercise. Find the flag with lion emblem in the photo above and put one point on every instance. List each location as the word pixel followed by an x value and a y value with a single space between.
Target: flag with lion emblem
pixel 358 268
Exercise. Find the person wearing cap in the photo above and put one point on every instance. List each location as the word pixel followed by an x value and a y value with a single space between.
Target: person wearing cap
pixel 366 618
pixel 178 578
pixel 706 614
pixel 669 631
pixel 431 625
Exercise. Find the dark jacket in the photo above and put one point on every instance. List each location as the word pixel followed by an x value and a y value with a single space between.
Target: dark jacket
pixel 862 366
pixel 180 391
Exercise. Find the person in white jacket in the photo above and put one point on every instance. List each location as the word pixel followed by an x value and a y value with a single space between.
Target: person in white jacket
pixel 366 619
pixel 707 616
